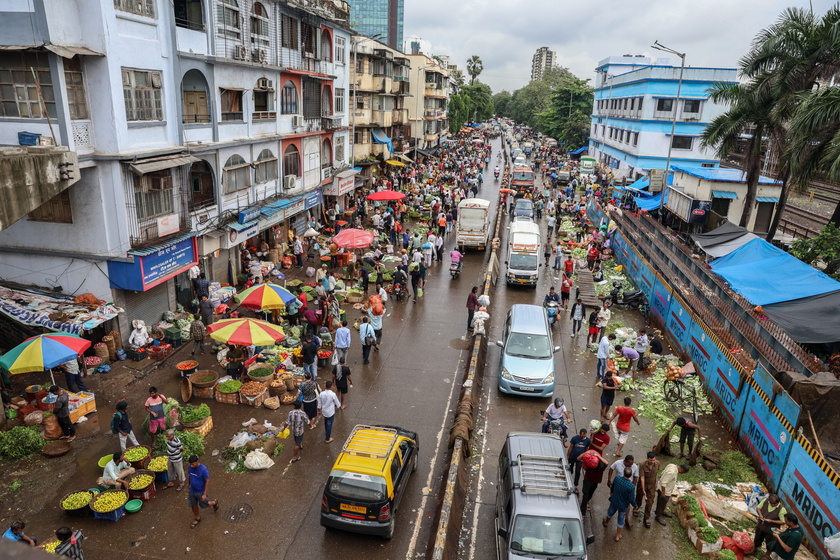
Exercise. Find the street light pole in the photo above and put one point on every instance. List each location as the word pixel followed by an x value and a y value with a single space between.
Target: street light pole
pixel 660 47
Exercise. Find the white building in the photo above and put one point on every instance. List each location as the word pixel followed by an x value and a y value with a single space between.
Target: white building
pixel 543 59
pixel 428 106
pixel 199 126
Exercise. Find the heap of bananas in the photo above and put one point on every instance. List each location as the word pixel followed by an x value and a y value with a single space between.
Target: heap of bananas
pixel 140 481
pixel 109 501
pixel 135 454
pixel 76 500
pixel 158 464
pixel 51 546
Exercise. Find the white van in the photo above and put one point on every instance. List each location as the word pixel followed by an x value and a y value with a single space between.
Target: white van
pixel 523 255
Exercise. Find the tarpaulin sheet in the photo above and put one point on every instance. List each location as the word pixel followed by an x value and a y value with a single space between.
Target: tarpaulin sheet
pixel 650 204
pixel 819 395
pixel 808 320
pixel 765 274
pixel 723 240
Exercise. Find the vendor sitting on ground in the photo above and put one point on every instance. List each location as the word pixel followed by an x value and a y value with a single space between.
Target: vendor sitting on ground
pixel 115 472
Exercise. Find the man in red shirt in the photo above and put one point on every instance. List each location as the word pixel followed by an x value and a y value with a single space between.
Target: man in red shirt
pixel 565 290
pixel 568 265
pixel 600 439
pixel 625 414
pixel 593 474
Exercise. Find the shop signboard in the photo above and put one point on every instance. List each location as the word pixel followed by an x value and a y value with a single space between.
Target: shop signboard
pixel 342 184
pixel 296 207
pixel 167 225
pixel 248 214
pixel 241 236
pixel 312 199
pixel 154 267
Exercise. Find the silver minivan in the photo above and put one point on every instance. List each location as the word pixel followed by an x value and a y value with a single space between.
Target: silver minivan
pixel 537 511
pixel 526 363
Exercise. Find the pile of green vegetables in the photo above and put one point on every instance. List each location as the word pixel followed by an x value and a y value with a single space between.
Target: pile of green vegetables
pixel 20 442
pixel 190 413
pixel 229 386
pixel 708 533
pixel 193 443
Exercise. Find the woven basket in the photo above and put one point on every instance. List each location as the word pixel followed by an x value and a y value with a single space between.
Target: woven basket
pixel 196 424
pixel 201 374
pixel 277 391
pixel 108 341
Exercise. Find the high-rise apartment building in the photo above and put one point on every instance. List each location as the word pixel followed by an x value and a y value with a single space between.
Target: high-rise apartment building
pixel 382 19
pixel 543 59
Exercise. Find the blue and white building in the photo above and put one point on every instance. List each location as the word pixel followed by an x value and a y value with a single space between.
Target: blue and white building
pixel 635 100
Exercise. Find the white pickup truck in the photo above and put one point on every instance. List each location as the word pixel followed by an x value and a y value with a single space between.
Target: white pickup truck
pixel 473 226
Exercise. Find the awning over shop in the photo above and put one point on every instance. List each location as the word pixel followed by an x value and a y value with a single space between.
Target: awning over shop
pixel 56 313
pixel 379 137
pixel 404 158
pixel 64 51
pixel 767 199
pixel 725 194
pixel 641 183
pixel 723 240
pixel 143 166
pixel 580 150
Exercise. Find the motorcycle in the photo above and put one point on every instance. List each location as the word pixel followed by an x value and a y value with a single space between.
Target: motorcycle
pixel 633 299
pixel 496 174
pixel 552 307
pixel 455 269
pixel 397 292
pixel 557 427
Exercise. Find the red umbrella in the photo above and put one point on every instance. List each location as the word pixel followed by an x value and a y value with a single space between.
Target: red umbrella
pixel 353 238
pixel 386 195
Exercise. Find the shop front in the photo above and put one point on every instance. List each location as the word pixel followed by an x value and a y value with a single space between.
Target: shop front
pixel 155 281
pixel 341 189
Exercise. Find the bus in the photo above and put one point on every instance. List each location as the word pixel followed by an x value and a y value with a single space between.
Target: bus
pixel 522 180
pixel 587 166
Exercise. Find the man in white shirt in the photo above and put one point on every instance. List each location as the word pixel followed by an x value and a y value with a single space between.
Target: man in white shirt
pixel 642 343
pixel 604 316
pixel 604 352
pixel 380 291
pixel 327 405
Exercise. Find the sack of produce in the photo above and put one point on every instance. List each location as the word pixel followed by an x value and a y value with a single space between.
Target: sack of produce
pixel 273 403
pixel 257 460
pixel 52 429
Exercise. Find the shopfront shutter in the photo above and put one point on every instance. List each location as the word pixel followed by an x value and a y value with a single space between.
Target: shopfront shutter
pixel 148 306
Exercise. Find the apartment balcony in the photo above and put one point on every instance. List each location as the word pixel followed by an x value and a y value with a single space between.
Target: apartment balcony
pixel 337 11
pixel 367 82
pixel 399 116
pixel 382 118
pixel 293 60
pixel 434 114
pixel 331 122
pixel 363 117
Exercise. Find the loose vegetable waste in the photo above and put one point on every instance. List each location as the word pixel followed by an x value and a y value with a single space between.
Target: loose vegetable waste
pixel 140 481
pixel 76 500
pixel 109 501
pixel 229 386
pixel 20 442
pixel 135 454
pixel 190 413
pixel 158 464
pixel 252 388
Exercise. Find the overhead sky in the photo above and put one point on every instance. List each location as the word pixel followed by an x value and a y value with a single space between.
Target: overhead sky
pixel 505 33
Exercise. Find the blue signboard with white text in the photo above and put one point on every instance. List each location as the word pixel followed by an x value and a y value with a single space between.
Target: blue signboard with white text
pixel 149 270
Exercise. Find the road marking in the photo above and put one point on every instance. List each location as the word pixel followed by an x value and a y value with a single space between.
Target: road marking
pixel 412 545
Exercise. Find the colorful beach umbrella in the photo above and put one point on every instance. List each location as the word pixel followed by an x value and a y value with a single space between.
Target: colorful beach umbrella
pixel 386 195
pixel 245 332
pixel 353 238
pixel 43 352
pixel 265 296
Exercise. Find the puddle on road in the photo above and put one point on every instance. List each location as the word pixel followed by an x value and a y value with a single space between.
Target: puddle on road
pixel 460 343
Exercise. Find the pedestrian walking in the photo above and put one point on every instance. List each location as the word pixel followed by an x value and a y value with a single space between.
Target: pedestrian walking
pixel 62 413
pixel 197 496
pixel 327 405
pixel 69 543
pixel 439 248
pixel 577 446
pixel 297 249
pixel 414 272
pixel 624 414
pixel 472 306
pixel 154 406
pixel 73 376
pixel 309 354
pixel 608 385
pixel 368 336
pixel 603 354
pixel 341 378
pixel 592 334
pixel 577 314
pixel 121 425
pixel 296 420
pixel 175 460
pixel 665 489
pixel 309 396
pixel 342 342
pixel 646 488
pixel 616 470
pixel 376 312
pixel 604 316
pixel 198 332
pixel 622 497
pixel 600 439
pixel 594 466
pixel 206 310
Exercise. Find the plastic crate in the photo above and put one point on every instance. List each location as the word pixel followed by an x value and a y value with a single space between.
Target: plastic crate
pixel 28 138
pixel 115 515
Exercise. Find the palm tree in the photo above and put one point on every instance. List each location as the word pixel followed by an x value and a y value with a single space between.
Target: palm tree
pixel 815 136
pixel 474 67
pixel 746 117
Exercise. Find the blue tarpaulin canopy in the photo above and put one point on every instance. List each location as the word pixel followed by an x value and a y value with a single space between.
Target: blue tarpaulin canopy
pixel 641 183
pixel 764 274
pixel 580 150
pixel 652 203
pixel 380 137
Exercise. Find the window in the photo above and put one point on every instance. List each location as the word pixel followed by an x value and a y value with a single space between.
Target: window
pixel 362 102
pixel 326 102
pixel 326 154
pixel 56 209
pixel 635 138
pixel 360 137
pixel 311 99
pixel 339 101
pixel 229 22
pixel 289 32
pixel 189 14
pixel 259 25
pixel 153 194
pixel 339 149
pixel 681 142
pixel 326 46
pixel 340 45
pixel 18 92
pixel 289 99
pixel 142 93
pixel 139 7
pixel 307 39
pixel 640 103
pixel 291 161
pixel 632 103
pixel 75 88
pixel 665 105
pixel 691 106
pixel 266 168
pixel 231 104
pixel 237 174
pixel 264 101
pixel 625 104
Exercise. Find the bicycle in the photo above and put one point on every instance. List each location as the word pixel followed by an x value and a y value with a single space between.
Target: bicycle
pixel 676 391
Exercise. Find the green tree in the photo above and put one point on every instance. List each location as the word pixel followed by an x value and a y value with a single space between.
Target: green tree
pixel 815 133
pixel 822 251
pixel 529 101
pixel 474 67
pixel 501 101
pixel 567 118
pixel 458 112
pixel 479 98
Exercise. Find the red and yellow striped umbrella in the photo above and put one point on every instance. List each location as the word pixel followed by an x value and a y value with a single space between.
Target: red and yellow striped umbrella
pixel 245 332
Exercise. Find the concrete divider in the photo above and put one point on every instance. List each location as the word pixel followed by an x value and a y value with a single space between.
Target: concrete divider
pixel 444 540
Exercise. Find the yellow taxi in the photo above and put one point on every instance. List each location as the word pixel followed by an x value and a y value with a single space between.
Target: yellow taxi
pixel 368 480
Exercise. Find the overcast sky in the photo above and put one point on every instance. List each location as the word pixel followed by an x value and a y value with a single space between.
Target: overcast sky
pixel 505 33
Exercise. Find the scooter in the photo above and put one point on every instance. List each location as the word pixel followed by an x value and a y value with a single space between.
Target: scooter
pixel 397 292
pixel 496 174
pixel 455 269
pixel 557 428
pixel 634 299
pixel 553 308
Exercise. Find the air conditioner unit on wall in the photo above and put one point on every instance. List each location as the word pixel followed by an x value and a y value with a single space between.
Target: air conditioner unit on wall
pixel 259 55
pixel 240 52
pixel 265 84
pixel 289 182
pixel 297 121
